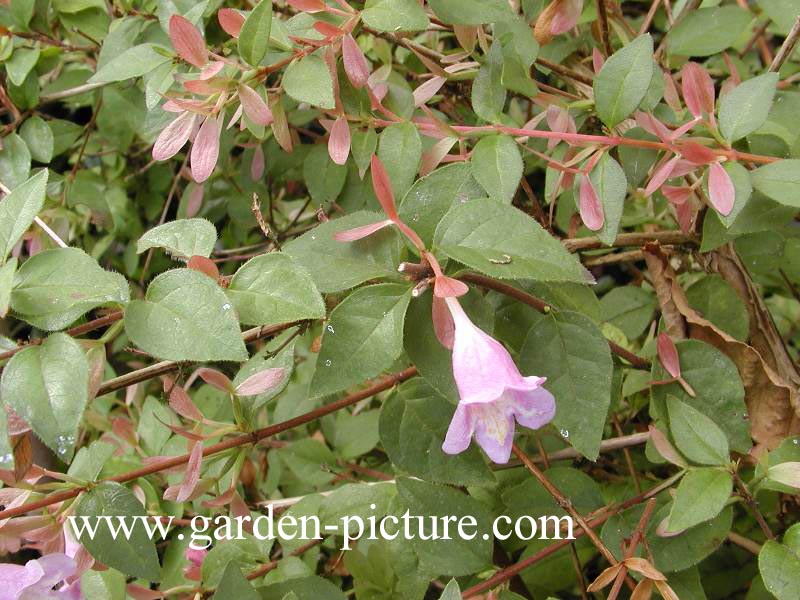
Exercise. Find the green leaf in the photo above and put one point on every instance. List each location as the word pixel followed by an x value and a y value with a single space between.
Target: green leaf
pixel 451 592
pixel 529 497
pixel 309 80
pixel 497 166
pixel 15 161
pixel 701 496
pixel 18 209
pixel 696 436
pixel 629 308
pixel 395 15
pixel 134 62
pixel 55 287
pixel 103 585
pixel 22 62
pixel 413 425
pixel 780 181
pixel 7 272
pixel 363 337
pixel 572 353
pixel 336 266
pixel 271 289
pixel 488 93
pixel 470 12
pixel 746 107
pixel 717 301
pixel 38 136
pixel 324 178
pixel 89 460
pixel 254 35
pixel 431 197
pixel 718 387
pixel 502 241
pixel 182 238
pixel 400 150
pixel 133 555
pixel 707 31
pixel 185 316
pixel 611 186
pixel 302 588
pixel 623 81
pixel 234 585
pixel 456 556
pixel 48 387
pixel 780 568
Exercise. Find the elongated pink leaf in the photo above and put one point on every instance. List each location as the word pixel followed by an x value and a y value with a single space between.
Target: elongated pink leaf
pixel 183 492
pixel 676 195
pixel 211 69
pixel 685 213
pixel 590 207
pixel 661 174
pixel 698 89
pixel 721 192
pixel 204 265
pixel 668 354
pixel 216 379
pixel 357 233
pixel 231 21
pixel 443 325
pixel 671 96
pixel 435 155
pixel 339 141
pixel 356 66
pixel 181 403
pixel 653 126
pixel 254 106
pixel 697 154
pixel 205 149
pixel 328 30
pixel 597 60
pixel 257 165
pixel 195 201
pixel 428 90
pixel 174 136
pixel 187 41
pixel 309 6
pixel 566 16
pixel 665 447
pixel 559 119
pixel 447 287
pixel 261 382
pixel 383 188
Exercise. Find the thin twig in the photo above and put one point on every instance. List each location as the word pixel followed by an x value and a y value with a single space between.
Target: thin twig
pixel 750 501
pixel 786 48
pixel 602 18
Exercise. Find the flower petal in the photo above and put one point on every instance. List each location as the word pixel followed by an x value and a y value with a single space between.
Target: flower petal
pixel 721 192
pixel 534 408
pixel 205 150
pixel 447 287
pixel 494 430
pixel 459 433
pixel 443 324
pixel 187 41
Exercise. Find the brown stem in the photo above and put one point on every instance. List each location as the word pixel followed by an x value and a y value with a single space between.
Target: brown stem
pixel 234 442
pixel 563 71
pixel 631 239
pixel 786 48
pixel 748 498
pixel 638 536
pixel 273 564
pixel 595 520
pixel 602 18
pixel 564 503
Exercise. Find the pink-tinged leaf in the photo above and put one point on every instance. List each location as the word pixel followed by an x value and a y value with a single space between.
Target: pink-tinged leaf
pixel 184 491
pixel 309 6
pixel 280 126
pixel 685 128
pixel 339 141
pixel 328 30
pixel 697 154
pixel 677 195
pixel 665 447
pixel 443 325
pixel 653 126
pixel 204 265
pixel 435 155
pixel 231 21
pixel 356 66
pixel 663 531
pixel 258 164
pixel 383 188
pixel 211 69
pixel 590 207
pixel 181 403
pixel 671 96
pixel 205 149
pixel 357 233
pixel 721 192
pixel 237 114
pixel 668 354
pixel 447 287
pixel 787 473
pixel 566 16
pixel 172 106
pixel 216 379
pixel 428 90
pixel 174 136
pixel 222 500
pixel 261 382
pixel 597 60
pixel 187 41
pixel 16 424
pixel 201 87
pixel 644 567
pixel 254 106
pixel 685 214
pixel 559 120
pixel 661 175
pixel 138 592
pixel 195 201
pixel 698 89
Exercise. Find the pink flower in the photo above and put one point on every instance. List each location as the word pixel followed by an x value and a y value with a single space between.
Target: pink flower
pixel 493 392
pixel 195 556
pixel 36 580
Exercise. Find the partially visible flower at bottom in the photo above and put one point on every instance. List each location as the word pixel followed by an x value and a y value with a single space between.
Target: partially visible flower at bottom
pixel 37 578
pixel 195 556
pixel 494 395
